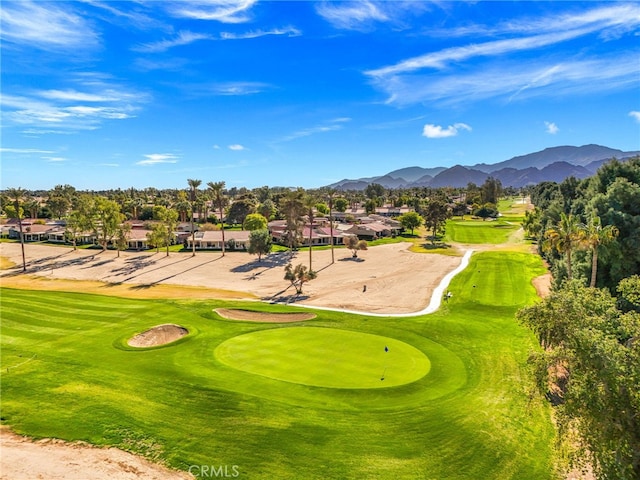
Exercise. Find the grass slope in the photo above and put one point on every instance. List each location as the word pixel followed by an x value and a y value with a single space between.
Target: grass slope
pixel 67 373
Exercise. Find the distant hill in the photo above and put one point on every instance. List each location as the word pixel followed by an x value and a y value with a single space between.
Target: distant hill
pixel 551 164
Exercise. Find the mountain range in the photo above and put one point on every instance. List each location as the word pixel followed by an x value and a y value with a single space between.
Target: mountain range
pixel 551 164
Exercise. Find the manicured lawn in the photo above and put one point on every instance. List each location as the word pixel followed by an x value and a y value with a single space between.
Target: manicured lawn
pixel 260 396
pixel 325 357
pixel 481 232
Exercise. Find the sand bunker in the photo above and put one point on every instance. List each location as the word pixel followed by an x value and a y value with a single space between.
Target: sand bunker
pixel 160 335
pixel 265 317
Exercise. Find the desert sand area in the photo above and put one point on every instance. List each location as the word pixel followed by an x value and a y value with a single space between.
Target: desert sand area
pixel 396 280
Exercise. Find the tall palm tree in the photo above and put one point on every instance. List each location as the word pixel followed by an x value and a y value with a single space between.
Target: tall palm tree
pixel 565 238
pixel 17 196
pixel 309 204
pixel 331 193
pixel 292 207
pixel 217 189
pixel 193 189
pixel 596 235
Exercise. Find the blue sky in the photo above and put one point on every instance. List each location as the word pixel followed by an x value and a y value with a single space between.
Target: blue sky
pixel 108 94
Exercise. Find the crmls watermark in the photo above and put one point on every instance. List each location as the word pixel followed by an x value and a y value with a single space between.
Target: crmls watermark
pixel 214 471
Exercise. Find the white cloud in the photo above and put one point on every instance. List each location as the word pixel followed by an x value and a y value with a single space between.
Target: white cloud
pixel 288 31
pixel 55 159
pixel 130 17
pixel 183 38
pixel 172 64
pixel 74 95
pixel 436 131
pixel 350 15
pixel 440 60
pixel 513 79
pixel 156 158
pixel 232 88
pixel 25 151
pixel 47 26
pixel 225 11
pixel 67 109
pixel 494 67
pixel 333 125
pixel 608 19
pixel 635 114
pixel 552 128
pixel 236 147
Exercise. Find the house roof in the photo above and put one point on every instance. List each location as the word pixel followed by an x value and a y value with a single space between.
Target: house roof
pixel 216 235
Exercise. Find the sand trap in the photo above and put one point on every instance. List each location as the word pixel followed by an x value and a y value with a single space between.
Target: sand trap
pixel 160 335
pixel 265 317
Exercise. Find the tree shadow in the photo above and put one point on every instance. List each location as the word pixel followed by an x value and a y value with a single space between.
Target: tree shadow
pixel 134 264
pixel 351 259
pixel 273 260
pixel 98 264
pixel 156 282
pixel 287 299
pixel 435 246
pixel 50 263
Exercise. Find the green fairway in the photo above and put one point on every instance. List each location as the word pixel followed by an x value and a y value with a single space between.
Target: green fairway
pixel 325 357
pixel 479 232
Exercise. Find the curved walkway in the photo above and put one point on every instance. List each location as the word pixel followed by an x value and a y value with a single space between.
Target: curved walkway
pixel 434 304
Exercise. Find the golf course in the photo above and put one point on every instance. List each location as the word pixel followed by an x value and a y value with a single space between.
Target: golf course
pixel 447 395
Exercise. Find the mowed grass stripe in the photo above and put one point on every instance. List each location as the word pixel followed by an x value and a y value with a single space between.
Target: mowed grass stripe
pixel 479 232
pixel 500 279
pixel 66 304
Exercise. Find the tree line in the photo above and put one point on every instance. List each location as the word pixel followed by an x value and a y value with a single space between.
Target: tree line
pixel 589 326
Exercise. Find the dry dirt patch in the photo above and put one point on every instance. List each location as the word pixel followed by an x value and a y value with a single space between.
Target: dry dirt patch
pixel 265 317
pixel 542 285
pixel 51 459
pixel 159 335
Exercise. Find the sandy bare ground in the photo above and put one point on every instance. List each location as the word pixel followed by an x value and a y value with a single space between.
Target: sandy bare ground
pixel 397 280
pixel 23 459
pixel 263 317
pixel 542 285
pixel 159 335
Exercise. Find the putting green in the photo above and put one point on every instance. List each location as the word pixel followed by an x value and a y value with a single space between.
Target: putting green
pixel 325 357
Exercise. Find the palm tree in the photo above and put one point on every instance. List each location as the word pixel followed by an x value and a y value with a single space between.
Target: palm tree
pixel 595 236
pixel 17 196
pixel 331 193
pixel 218 197
pixel 291 207
pixel 565 238
pixel 193 188
pixel 309 205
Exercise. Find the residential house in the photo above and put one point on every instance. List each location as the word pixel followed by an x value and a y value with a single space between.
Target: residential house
pixel 212 240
